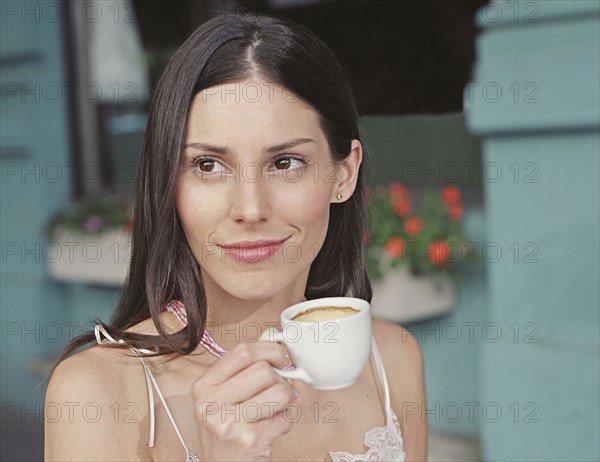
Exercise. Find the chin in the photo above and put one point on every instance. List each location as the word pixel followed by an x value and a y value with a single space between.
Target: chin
pixel 254 284
pixel 250 296
pixel 259 292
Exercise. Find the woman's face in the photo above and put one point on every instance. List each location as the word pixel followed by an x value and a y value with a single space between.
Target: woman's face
pixel 257 167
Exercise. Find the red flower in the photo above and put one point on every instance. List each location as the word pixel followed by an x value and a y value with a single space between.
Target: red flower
pixel 399 190
pixel 456 211
pixel 413 226
pixel 395 247
pixel 438 252
pixel 451 194
pixel 401 198
pixel 402 206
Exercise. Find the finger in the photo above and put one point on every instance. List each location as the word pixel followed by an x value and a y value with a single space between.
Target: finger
pixel 242 356
pixel 269 402
pixel 280 424
pixel 248 383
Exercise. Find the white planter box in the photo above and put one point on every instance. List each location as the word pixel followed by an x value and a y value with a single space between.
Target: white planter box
pixel 99 259
pixel 402 297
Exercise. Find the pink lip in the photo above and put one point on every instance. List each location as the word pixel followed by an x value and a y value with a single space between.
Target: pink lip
pixel 253 251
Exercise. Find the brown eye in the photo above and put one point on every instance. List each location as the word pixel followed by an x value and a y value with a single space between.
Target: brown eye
pixel 206 166
pixel 284 163
pixel 287 162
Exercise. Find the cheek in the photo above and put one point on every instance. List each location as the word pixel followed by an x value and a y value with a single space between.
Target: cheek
pixel 183 204
pixel 194 210
pixel 312 207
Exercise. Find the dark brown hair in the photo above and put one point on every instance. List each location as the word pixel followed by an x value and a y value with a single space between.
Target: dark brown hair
pixel 228 48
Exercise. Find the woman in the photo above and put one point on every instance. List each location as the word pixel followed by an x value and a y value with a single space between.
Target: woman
pixel 252 141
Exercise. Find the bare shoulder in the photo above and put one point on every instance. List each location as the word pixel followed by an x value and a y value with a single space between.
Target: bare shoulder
pixel 105 371
pixel 102 369
pixel 87 400
pixel 404 366
pixel 399 348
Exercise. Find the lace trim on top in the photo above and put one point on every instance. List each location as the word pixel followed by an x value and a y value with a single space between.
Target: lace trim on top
pixel 384 443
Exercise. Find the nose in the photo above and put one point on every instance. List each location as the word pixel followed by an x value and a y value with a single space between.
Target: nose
pixel 250 201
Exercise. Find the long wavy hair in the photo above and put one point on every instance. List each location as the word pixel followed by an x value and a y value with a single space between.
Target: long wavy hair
pixel 230 48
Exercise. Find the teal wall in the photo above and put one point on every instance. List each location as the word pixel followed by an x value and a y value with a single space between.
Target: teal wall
pixel 547 202
pixel 554 297
pixel 34 148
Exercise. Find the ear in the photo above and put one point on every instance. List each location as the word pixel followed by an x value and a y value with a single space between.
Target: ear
pixel 347 173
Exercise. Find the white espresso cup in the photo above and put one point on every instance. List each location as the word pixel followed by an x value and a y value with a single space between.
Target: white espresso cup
pixel 328 354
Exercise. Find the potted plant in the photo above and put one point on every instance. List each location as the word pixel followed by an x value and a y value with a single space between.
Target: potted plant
pixel 90 242
pixel 414 251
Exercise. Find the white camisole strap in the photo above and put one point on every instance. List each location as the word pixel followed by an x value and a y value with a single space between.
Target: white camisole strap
pixel 383 378
pixel 150 380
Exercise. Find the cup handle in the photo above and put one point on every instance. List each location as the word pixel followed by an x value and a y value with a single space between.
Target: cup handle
pixel 273 335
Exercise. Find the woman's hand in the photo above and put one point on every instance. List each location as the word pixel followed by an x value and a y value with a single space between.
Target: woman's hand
pixel 238 403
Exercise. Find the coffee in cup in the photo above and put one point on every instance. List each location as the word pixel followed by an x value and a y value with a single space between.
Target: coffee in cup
pixel 324 313
pixel 329 341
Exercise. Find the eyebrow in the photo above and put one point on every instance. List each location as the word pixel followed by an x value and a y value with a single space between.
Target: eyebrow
pixel 223 150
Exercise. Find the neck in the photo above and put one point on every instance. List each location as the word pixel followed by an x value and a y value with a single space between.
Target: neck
pixel 232 320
